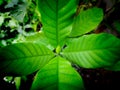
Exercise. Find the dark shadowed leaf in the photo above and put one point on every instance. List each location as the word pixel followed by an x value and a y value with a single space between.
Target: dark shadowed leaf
pixel 114 67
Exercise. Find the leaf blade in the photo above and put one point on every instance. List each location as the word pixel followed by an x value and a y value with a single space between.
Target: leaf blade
pixel 40 38
pixel 57 17
pixel 86 21
pixel 93 51
pixel 114 67
pixel 57 75
pixel 23 58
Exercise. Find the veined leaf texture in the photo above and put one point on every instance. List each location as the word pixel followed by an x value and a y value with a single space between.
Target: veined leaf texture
pixel 58 75
pixel 24 58
pixel 93 51
pixel 57 18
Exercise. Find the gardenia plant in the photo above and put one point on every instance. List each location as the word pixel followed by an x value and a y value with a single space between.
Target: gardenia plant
pixel 65 39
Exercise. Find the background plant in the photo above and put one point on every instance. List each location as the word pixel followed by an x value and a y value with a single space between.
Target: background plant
pixel 19 18
pixel 66 36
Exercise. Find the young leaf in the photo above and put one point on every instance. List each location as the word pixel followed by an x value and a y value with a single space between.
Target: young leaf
pixel 23 58
pixel 57 75
pixel 86 21
pixel 57 17
pixel 93 51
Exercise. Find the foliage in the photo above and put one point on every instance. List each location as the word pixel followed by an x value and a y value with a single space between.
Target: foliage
pixel 18 19
pixel 68 37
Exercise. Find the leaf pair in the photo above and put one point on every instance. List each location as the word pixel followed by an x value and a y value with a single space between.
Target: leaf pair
pixel 57 73
pixel 26 58
pixel 59 20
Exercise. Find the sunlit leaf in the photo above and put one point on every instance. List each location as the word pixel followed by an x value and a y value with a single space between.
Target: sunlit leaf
pixel 58 75
pixel 87 21
pixel 57 17
pixel 23 58
pixel 39 38
pixel 93 51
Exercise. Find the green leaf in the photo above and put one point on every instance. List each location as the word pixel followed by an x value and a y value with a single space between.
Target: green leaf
pixel 58 75
pixel 39 38
pixel 114 67
pixel 17 81
pixel 23 58
pixel 93 51
pixel 1 20
pixel 1 2
pixel 117 25
pixel 86 21
pixel 57 17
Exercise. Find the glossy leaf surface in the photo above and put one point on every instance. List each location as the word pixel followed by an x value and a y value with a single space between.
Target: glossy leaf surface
pixel 23 58
pixel 86 21
pixel 58 75
pixel 93 51
pixel 39 38
pixel 57 17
